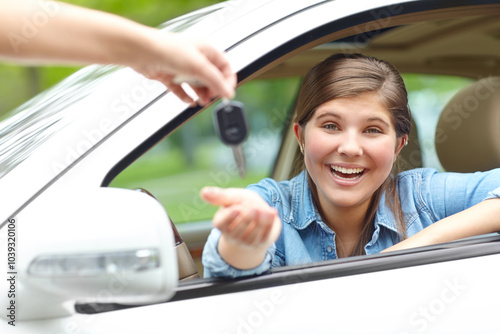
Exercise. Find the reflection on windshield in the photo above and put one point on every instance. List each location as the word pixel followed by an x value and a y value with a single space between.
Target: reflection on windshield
pixel 30 125
pixel 184 22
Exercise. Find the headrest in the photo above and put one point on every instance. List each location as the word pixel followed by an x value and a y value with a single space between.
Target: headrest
pixel 468 131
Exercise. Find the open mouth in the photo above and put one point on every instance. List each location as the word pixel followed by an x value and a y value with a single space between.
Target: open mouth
pixel 347 173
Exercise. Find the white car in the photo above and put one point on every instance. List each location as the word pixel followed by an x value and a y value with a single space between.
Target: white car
pixel 82 253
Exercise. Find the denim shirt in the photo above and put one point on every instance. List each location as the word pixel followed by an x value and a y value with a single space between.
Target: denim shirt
pixel 426 196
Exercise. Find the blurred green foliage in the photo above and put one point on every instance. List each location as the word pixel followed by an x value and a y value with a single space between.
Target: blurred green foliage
pixel 19 83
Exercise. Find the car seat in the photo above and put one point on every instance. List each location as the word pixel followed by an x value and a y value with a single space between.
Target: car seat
pixel 468 131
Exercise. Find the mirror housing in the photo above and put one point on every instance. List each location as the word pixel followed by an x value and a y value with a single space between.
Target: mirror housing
pixel 105 245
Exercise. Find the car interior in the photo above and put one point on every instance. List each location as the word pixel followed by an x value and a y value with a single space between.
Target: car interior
pixel 468 128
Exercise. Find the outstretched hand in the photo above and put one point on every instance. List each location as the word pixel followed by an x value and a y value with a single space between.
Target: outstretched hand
pixel 244 218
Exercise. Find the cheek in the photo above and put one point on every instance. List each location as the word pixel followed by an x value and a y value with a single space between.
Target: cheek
pixel 318 145
pixel 383 154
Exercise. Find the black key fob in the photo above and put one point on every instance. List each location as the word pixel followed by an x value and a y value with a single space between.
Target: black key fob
pixel 231 123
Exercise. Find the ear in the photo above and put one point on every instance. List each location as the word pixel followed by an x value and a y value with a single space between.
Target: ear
pixel 297 129
pixel 400 143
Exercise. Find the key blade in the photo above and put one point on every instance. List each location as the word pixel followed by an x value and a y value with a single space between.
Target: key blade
pixel 239 158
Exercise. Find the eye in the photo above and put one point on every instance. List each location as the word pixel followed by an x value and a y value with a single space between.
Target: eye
pixel 330 126
pixel 373 130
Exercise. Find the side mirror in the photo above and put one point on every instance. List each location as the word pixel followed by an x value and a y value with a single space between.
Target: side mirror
pixel 186 265
pixel 105 245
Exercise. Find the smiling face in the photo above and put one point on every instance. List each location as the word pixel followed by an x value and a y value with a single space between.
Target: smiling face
pixel 350 145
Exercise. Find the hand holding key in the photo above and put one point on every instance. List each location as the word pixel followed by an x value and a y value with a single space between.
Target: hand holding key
pixel 232 128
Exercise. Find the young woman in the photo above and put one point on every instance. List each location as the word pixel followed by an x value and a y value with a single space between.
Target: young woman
pixel 352 122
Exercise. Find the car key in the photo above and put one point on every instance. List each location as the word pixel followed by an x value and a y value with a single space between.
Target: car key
pixel 232 128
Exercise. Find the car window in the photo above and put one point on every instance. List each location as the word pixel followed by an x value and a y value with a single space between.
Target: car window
pixel 192 157
pixel 428 95
pixel 177 168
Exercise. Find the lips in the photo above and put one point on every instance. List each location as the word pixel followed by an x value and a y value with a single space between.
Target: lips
pixel 346 173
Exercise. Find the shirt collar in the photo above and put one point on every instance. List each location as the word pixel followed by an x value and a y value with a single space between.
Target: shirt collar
pixel 303 212
pixel 384 215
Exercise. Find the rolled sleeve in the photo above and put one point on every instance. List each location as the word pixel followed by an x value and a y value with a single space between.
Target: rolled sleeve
pixel 454 192
pixel 215 266
pixel 493 194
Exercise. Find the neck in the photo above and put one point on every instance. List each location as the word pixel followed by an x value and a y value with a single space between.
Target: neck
pixel 346 222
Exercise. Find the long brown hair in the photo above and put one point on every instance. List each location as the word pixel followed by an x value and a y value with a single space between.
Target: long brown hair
pixel 349 75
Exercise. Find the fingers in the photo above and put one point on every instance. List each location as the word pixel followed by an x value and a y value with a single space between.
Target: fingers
pixel 178 90
pixel 259 232
pixel 217 74
pixel 244 218
pixel 209 74
pixel 195 62
pixel 152 73
pixel 205 95
pixel 225 197
pixel 246 226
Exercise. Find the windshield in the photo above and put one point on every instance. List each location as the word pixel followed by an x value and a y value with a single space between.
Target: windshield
pixel 30 125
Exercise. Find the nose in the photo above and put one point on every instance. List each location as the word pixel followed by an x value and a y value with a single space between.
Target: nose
pixel 350 145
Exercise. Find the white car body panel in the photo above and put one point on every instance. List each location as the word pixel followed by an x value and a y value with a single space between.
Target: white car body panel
pixel 438 298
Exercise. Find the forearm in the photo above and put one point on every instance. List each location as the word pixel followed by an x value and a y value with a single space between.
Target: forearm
pixel 64 33
pixel 240 256
pixel 482 218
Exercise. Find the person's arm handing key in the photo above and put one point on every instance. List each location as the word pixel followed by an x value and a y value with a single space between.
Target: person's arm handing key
pixel 75 35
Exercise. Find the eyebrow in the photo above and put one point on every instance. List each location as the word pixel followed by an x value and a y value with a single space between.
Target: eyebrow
pixel 326 114
pixel 374 119
pixel 371 119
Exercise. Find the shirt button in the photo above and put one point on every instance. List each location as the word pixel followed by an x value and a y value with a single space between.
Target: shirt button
pixel 329 249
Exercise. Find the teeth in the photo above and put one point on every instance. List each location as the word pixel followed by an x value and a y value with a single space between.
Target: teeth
pixel 347 170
